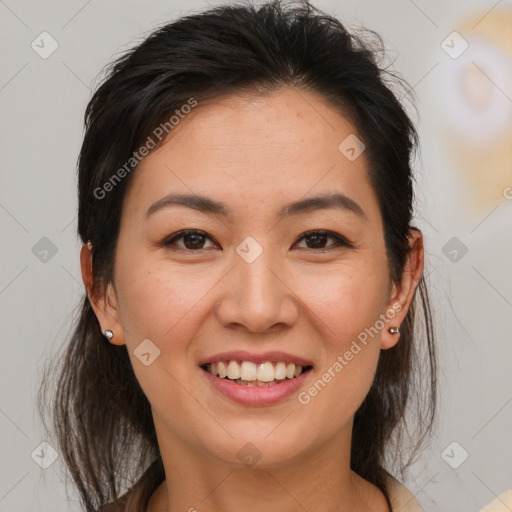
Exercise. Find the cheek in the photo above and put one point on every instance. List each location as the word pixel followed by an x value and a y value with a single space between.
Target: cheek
pixel 347 300
pixel 162 301
pixel 348 304
pixel 165 304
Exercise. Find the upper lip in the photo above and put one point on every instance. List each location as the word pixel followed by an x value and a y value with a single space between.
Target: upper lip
pixel 243 355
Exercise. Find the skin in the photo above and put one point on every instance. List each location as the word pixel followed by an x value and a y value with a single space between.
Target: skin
pixel 254 153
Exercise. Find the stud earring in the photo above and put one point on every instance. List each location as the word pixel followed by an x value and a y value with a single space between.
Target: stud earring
pixel 108 334
pixel 394 330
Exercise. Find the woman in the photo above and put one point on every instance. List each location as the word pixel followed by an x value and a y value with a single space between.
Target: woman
pixel 247 339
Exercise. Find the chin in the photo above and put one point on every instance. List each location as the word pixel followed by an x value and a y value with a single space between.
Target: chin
pixel 264 448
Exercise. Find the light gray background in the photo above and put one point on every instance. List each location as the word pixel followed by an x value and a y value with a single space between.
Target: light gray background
pixel 43 102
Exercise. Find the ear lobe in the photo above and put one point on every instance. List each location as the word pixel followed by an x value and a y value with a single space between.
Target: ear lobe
pixel 401 295
pixel 104 306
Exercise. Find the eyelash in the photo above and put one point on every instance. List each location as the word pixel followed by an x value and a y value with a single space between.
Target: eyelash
pixel 340 241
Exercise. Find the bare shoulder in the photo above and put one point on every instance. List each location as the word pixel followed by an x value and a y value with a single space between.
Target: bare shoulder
pixel 372 496
pixel 402 498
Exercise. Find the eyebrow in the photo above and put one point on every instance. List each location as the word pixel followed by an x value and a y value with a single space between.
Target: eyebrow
pixel 210 206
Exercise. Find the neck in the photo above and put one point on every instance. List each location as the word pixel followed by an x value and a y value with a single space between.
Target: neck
pixel 317 480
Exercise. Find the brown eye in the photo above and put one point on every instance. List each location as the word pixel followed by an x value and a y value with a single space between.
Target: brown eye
pixel 316 240
pixel 193 240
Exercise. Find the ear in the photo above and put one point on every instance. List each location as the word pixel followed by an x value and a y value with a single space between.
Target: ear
pixel 401 295
pixel 105 308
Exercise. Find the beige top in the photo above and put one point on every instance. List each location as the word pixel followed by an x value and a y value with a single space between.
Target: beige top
pixel 402 500
pixel 503 503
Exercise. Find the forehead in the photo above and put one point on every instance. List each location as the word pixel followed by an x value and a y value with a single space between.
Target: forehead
pixel 255 149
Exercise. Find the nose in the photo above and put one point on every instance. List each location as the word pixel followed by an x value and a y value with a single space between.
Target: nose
pixel 257 296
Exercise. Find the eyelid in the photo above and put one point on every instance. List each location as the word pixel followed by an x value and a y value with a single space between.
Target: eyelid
pixel 183 232
pixel 341 241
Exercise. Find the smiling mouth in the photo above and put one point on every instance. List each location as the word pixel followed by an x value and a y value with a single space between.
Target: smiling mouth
pixel 247 373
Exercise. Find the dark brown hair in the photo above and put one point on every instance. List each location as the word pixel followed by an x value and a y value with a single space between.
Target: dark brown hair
pixel 101 417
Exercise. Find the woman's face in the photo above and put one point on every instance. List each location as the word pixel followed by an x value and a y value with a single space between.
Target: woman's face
pixel 250 281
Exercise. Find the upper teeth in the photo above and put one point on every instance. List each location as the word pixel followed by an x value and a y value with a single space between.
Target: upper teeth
pixel 249 371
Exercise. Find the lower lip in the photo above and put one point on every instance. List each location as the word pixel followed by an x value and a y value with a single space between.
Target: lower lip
pixel 256 395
